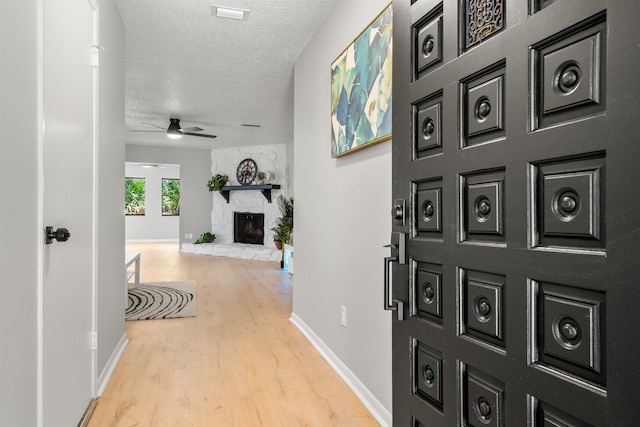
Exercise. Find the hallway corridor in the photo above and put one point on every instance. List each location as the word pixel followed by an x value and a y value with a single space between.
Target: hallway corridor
pixel 239 362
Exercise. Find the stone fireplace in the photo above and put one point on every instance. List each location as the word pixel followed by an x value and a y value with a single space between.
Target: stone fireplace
pixel 271 158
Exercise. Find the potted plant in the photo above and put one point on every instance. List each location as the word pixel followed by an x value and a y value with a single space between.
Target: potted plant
pixel 205 238
pixel 280 234
pixel 260 176
pixel 284 224
pixel 217 182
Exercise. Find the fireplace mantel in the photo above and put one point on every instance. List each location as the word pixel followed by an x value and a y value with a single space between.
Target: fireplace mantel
pixel 265 188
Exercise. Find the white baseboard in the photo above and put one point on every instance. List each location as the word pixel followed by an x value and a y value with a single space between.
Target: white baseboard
pixel 105 376
pixel 379 412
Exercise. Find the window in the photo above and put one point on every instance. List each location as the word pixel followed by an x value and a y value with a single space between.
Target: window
pixel 170 196
pixel 134 200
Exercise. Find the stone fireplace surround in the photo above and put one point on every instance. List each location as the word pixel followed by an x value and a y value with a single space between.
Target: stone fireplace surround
pixel 272 158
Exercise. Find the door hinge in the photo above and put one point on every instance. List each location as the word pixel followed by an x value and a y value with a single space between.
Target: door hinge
pixel 94 340
pixel 96 54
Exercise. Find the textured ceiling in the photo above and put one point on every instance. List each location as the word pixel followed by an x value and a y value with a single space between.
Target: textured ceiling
pixel 214 73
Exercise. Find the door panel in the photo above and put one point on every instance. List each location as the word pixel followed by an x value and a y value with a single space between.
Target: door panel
pixel 509 148
pixel 68 202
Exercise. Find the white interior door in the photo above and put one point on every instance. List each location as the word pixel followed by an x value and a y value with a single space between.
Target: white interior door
pixel 68 201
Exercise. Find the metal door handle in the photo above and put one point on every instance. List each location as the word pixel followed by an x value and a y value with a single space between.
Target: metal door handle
pixel 396 305
pixel 61 235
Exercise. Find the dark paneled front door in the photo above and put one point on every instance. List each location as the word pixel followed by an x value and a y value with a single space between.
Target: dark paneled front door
pixel 515 152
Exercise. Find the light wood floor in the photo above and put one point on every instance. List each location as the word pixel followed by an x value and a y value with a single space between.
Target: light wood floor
pixel 239 362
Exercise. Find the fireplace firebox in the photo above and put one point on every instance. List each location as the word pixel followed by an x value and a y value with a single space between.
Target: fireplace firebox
pixel 248 228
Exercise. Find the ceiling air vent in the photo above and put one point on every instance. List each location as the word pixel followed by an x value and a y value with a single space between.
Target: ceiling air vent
pixel 229 12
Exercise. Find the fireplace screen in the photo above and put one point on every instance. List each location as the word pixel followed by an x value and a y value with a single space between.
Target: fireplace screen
pixel 248 228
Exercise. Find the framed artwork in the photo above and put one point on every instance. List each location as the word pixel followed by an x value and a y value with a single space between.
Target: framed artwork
pixel 361 83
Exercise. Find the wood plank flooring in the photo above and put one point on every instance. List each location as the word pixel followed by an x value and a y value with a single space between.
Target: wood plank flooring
pixel 239 362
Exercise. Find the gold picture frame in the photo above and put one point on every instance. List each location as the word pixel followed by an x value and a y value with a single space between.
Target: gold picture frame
pixel 361 88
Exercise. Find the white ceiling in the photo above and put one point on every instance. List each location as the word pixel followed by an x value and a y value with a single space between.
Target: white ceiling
pixel 214 73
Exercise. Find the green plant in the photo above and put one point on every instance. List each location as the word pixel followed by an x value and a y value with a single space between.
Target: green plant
pixel 205 238
pixel 134 196
pixel 284 224
pixel 280 232
pixel 217 182
pixel 170 196
pixel 261 175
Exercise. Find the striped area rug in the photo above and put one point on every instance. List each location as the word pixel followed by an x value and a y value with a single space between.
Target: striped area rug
pixel 162 300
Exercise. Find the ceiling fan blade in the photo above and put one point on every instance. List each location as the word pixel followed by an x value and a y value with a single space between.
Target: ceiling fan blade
pixel 175 129
pixel 155 126
pixel 200 134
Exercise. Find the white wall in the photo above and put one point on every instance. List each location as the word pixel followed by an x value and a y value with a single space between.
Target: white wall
pixel 21 235
pixel 342 216
pixel 110 198
pixel 195 171
pixel 152 226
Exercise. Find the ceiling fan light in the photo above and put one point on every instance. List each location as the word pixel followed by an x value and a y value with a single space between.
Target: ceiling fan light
pixel 174 131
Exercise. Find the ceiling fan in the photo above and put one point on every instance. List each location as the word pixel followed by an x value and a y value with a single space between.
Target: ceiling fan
pixel 174 131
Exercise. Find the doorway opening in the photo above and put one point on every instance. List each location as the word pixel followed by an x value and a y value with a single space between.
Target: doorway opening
pixel 160 221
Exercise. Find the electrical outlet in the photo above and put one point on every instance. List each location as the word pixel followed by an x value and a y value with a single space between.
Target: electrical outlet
pixel 343 316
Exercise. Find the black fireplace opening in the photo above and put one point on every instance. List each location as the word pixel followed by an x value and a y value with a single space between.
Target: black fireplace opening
pixel 248 228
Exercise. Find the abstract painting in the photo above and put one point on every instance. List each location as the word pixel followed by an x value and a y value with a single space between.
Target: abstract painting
pixel 361 84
